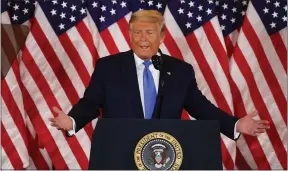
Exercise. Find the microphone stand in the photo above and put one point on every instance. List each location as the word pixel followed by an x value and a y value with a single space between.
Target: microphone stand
pixel 158 64
pixel 160 94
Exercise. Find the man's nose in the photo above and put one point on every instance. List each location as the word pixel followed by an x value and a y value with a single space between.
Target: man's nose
pixel 143 37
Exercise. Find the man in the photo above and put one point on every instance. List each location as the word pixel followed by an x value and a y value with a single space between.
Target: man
pixel 125 85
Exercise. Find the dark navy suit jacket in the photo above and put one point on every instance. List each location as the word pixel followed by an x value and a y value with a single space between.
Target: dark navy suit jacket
pixel 114 89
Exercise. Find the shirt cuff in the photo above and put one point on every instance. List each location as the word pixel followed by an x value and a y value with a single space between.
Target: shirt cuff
pixel 72 131
pixel 236 134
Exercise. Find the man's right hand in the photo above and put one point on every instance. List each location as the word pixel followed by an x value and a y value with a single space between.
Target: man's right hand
pixel 62 121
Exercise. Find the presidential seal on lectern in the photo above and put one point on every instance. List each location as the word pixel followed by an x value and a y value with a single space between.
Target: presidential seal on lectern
pixel 158 151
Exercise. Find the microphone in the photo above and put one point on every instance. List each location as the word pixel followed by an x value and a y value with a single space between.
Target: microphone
pixel 157 62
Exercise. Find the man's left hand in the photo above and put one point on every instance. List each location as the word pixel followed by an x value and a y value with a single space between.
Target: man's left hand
pixel 247 125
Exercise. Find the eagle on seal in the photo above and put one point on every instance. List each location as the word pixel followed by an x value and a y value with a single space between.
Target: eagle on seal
pixel 158 156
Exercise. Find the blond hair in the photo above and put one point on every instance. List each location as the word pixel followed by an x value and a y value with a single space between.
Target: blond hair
pixel 148 16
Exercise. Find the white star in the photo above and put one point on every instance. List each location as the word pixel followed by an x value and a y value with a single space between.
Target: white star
pixel 244 2
pixel 25 11
pixel 223 17
pixel 83 11
pixel 103 8
pixel 73 7
pixel 9 4
pixel 159 5
pixel 191 4
pixel 62 15
pixel 190 14
pixel 123 4
pixel 233 20
pixel 15 17
pixel 64 4
pixel 234 9
pixel 273 25
pixel 267 1
pixel 277 4
pixel 266 10
pixel 243 13
pixel 113 11
pixel 217 3
pixel 285 8
pixel 181 11
pixel 142 1
pixel 223 27
pixel 209 11
pixel 182 1
pixel 210 1
pixel 94 4
pixel 225 6
pixel 27 1
pixel 16 7
pixel 275 14
pixel 72 18
pixel 54 2
pixel 199 18
pixel 35 3
pixel 188 25
pixel 200 7
pixel 150 3
pixel 53 12
pixel 284 18
pixel 61 26
pixel 102 19
pixel 114 2
pixel 140 9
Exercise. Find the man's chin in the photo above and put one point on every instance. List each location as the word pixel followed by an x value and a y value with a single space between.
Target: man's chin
pixel 145 55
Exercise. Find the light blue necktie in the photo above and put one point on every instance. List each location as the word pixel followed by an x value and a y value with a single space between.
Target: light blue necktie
pixel 149 91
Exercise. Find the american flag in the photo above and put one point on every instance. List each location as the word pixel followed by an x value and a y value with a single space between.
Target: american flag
pixel 238 49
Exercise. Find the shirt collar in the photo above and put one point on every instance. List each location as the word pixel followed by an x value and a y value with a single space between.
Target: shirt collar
pixel 139 61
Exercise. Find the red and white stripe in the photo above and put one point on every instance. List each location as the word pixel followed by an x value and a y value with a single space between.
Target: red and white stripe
pixel 114 40
pixel 258 67
pixel 57 70
pixel 54 71
pixel 192 51
pixel 14 141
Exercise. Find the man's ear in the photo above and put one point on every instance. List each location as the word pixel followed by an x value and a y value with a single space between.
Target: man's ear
pixel 162 37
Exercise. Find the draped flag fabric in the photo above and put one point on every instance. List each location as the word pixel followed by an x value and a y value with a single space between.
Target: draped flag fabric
pixel 238 49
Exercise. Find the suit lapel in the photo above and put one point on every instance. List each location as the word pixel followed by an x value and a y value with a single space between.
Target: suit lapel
pixel 131 83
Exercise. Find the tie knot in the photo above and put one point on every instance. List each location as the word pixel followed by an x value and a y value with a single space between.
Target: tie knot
pixel 147 63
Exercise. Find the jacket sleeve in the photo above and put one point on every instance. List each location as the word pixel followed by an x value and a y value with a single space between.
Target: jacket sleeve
pixel 198 106
pixel 88 107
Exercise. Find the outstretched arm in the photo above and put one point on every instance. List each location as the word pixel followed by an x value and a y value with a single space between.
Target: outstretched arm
pixel 201 108
pixel 88 107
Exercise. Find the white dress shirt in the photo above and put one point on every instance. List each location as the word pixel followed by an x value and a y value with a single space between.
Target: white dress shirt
pixel 140 70
pixel 156 74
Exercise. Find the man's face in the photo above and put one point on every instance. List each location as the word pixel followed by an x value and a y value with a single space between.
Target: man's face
pixel 145 38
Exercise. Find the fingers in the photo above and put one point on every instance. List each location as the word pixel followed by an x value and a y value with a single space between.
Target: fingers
pixel 253 114
pixel 57 126
pixel 260 131
pixel 56 110
pixel 265 122
pixel 52 119
pixel 261 126
pixel 54 124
